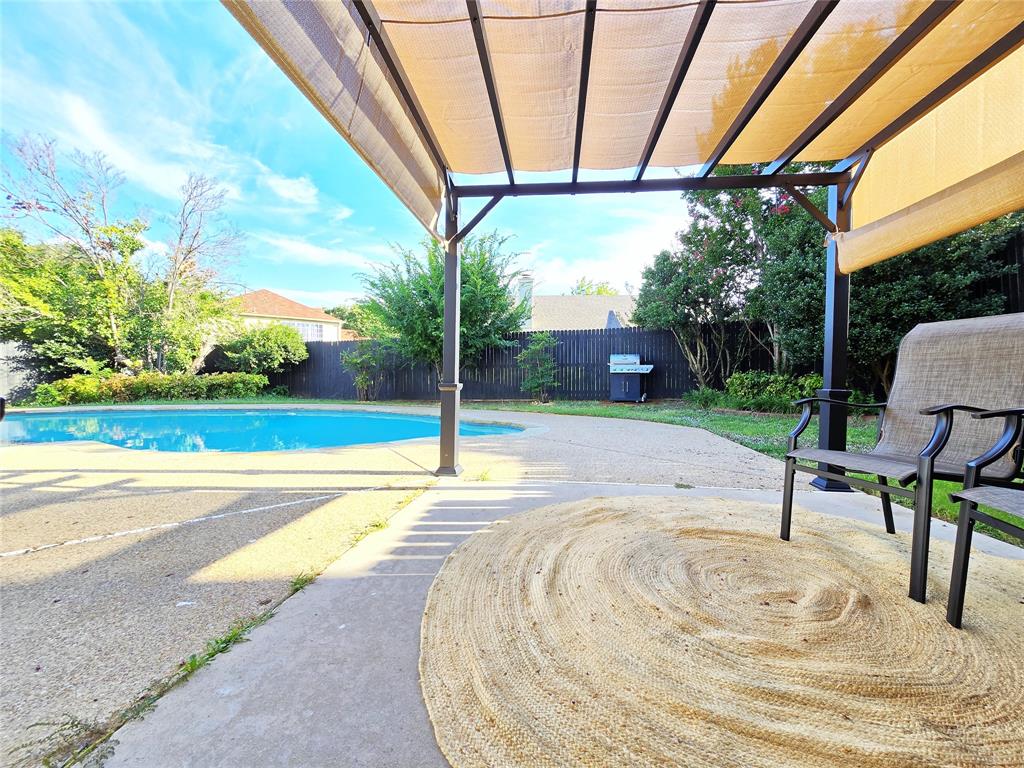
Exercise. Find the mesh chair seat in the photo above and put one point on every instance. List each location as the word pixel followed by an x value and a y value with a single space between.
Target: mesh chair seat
pixel 1007 499
pixel 900 469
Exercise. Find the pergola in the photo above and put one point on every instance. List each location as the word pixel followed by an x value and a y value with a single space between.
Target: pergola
pixel 917 106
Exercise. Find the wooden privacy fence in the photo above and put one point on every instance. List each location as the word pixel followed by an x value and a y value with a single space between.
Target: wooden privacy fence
pixel 581 358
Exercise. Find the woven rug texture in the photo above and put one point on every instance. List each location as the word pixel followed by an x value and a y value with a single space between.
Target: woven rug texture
pixel 684 632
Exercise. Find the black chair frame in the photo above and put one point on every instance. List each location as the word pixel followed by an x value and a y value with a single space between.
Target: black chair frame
pixel 923 480
pixel 970 514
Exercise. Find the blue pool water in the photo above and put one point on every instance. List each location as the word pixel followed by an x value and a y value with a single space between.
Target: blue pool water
pixel 213 429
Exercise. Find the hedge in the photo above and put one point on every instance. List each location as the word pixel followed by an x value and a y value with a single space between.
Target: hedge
pixel 149 385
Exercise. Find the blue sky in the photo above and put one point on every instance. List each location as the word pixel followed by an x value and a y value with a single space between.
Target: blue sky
pixel 164 88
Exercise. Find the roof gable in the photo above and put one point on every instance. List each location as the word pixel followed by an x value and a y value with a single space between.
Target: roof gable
pixel 578 313
pixel 269 304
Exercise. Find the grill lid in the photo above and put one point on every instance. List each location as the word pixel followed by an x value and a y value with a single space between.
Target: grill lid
pixel 624 359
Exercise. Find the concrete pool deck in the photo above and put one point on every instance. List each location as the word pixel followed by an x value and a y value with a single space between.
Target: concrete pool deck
pixel 331 679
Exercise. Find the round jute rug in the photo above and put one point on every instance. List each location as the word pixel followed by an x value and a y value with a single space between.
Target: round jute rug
pixel 683 632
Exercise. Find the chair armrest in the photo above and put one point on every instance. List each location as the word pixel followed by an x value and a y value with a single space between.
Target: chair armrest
pixel 805 419
pixel 935 410
pixel 1012 429
pixel 833 401
pixel 1001 412
pixel 807 403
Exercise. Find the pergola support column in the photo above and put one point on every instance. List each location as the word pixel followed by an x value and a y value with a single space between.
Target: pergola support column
pixel 832 419
pixel 449 385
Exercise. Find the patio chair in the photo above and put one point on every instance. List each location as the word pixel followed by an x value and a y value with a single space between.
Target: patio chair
pixel 970 365
pixel 975 492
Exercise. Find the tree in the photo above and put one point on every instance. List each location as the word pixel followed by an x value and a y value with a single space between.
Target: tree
pixel 538 364
pixel 50 301
pixel 789 276
pixel 946 280
pixel 266 349
pixel 587 287
pixel 759 257
pixel 354 316
pixel 73 208
pixel 405 307
pixel 86 292
pixel 692 295
pixel 191 302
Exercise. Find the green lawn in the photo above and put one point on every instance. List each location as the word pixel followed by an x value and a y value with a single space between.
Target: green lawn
pixel 763 432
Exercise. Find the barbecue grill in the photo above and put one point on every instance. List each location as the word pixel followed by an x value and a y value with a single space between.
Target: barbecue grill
pixel 627 382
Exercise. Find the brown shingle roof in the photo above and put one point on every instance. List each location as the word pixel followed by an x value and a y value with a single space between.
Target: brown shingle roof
pixel 269 304
pixel 580 313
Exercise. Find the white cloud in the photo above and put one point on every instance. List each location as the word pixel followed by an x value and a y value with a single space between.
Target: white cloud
pixel 341 213
pixel 618 256
pixel 285 249
pixel 301 190
pixel 161 176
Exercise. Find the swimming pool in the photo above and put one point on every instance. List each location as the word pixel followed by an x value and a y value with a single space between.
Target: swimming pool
pixel 217 429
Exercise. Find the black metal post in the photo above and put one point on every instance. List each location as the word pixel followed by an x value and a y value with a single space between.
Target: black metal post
pixel 449 384
pixel 832 421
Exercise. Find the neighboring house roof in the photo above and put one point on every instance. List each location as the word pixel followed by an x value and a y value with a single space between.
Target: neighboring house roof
pixel 580 313
pixel 264 303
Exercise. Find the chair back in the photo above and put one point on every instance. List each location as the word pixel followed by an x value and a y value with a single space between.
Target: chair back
pixel 979 362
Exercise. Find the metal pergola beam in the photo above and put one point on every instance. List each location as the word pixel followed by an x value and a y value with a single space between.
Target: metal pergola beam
pixel 412 106
pixel 911 36
pixel 808 205
pixel 794 47
pixel 991 56
pixel 475 220
pixel 589 18
pixel 693 36
pixel 683 184
pixel 473 6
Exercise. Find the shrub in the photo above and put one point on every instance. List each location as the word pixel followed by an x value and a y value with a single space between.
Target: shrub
pixel 760 385
pixel 366 364
pixel 48 394
pixel 235 385
pixel 809 384
pixel 149 385
pixel 538 364
pixel 705 397
pixel 266 349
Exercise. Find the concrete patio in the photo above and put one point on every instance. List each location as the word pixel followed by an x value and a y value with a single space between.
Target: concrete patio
pixel 332 678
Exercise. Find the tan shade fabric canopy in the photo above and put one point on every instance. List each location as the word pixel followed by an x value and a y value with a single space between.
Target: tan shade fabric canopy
pixel 322 48
pixel 535 50
pixel 958 166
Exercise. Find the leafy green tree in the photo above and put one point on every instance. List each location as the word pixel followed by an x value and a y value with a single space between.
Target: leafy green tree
pixel 189 305
pixel 703 285
pixel 758 256
pixel 354 316
pixel 949 279
pixel 72 207
pixel 587 287
pixel 693 297
pixel 266 349
pixel 405 307
pixel 49 302
pixel 87 292
pixel 538 364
